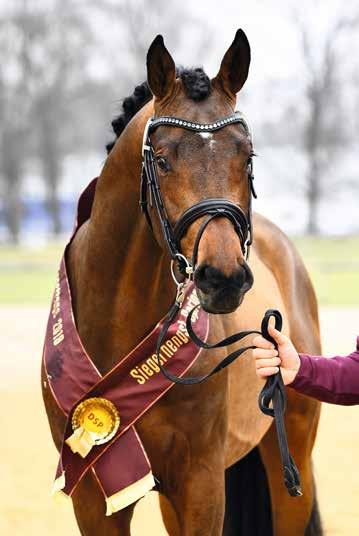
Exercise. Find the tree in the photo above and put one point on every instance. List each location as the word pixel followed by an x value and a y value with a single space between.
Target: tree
pixel 138 22
pixel 16 30
pixel 58 77
pixel 65 41
pixel 323 133
pixel 43 55
pixel 312 112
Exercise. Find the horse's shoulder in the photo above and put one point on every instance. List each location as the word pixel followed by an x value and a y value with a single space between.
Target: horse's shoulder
pixel 275 249
pixel 273 246
pixel 76 259
pixel 281 256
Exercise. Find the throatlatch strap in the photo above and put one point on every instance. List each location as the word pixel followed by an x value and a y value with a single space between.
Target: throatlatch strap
pixel 273 391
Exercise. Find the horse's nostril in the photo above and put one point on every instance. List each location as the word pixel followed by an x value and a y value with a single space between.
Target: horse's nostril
pixel 205 279
pixel 244 277
pixel 209 279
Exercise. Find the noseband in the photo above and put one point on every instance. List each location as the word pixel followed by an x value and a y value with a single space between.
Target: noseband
pixel 273 390
pixel 212 207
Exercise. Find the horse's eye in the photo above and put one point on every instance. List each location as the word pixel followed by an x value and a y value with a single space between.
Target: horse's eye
pixel 162 163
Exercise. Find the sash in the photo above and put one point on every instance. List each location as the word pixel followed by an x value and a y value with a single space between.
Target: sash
pixel 120 466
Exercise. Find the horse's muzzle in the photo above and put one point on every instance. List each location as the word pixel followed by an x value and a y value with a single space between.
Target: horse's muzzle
pixel 218 293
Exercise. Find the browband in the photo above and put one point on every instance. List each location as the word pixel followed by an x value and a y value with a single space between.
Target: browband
pixel 237 117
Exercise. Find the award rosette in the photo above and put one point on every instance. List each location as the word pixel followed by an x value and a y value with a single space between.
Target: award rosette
pixel 101 410
pixel 95 421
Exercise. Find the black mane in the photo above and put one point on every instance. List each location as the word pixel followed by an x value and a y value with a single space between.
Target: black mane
pixel 195 82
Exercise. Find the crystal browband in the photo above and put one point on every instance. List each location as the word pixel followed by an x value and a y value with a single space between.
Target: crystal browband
pixel 198 127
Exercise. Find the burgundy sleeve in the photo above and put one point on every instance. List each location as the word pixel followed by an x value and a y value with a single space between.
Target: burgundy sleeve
pixel 334 380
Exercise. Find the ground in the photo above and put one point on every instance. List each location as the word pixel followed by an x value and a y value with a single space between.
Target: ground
pixel 28 457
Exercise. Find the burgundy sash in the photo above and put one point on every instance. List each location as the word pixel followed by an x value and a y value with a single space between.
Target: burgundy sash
pixel 120 466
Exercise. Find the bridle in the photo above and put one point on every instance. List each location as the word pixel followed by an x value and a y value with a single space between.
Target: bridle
pixel 212 207
pixel 274 390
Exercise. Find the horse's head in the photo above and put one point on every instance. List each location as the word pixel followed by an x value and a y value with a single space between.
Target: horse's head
pixel 193 166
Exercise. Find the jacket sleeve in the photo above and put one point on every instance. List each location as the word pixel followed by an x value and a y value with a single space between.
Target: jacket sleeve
pixel 334 380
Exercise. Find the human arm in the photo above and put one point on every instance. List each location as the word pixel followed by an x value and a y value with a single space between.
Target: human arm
pixel 334 380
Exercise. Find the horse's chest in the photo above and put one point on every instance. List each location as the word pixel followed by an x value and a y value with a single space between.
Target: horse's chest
pixel 246 423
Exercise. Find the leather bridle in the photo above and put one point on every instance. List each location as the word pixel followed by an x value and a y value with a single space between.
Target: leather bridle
pixel 212 207
pixel 274 390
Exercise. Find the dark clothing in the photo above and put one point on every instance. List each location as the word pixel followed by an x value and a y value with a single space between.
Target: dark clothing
pixel 334 380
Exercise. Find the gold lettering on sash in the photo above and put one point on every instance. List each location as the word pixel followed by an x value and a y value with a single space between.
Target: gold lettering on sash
pixel 58 339
pixel 192 302
pixel 151 361
pixel 170 345
pixel 165 350
pixel 176 341
pixel 57 327
pixel 184 338
pixel 57 332
pixel 149 366
pixel 137 376
pixel 147 369
pixel 56 301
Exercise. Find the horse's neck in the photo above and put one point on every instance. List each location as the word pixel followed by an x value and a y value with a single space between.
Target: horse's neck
pixel 119 275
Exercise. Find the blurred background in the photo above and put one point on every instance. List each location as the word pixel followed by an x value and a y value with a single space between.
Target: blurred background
pixel 65 66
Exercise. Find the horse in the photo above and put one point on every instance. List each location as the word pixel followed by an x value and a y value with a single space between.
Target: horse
pixel 209 446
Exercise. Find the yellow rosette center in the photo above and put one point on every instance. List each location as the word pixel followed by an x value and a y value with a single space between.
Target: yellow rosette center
pixel 95 421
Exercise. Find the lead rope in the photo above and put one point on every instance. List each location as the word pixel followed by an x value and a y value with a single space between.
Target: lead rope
pixel 273 391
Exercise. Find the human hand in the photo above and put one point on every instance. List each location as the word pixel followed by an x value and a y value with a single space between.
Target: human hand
pixel 268 359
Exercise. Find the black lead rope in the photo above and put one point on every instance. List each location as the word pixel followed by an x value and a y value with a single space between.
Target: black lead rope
pixel 273 391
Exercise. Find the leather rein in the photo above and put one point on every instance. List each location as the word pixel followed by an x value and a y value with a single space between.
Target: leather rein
pixel 150 194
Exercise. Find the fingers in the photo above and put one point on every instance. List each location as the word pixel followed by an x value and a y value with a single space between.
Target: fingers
pixel 268 371
pixel 264 363
pixel 261 342
pixel 277 335
pixel 260 353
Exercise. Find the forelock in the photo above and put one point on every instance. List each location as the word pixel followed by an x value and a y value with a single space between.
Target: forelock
pixel 196 83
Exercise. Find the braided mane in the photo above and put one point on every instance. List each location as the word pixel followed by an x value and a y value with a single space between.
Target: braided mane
pixel 195 82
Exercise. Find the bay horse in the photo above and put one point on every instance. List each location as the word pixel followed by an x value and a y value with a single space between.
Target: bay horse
pixel 121 286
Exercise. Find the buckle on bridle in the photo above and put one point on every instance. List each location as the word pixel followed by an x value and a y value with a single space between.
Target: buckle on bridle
pixel 145 145
pixel 180 294
pixel 189 270
pixel 181 284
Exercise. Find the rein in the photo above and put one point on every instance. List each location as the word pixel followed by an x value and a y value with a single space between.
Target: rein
pixel 274 390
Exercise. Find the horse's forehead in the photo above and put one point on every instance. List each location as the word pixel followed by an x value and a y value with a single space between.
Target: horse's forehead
pixel 211 109
pixel 181 105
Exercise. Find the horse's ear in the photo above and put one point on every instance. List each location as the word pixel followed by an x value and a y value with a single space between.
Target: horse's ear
pixel 235 65
pixel 161 69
